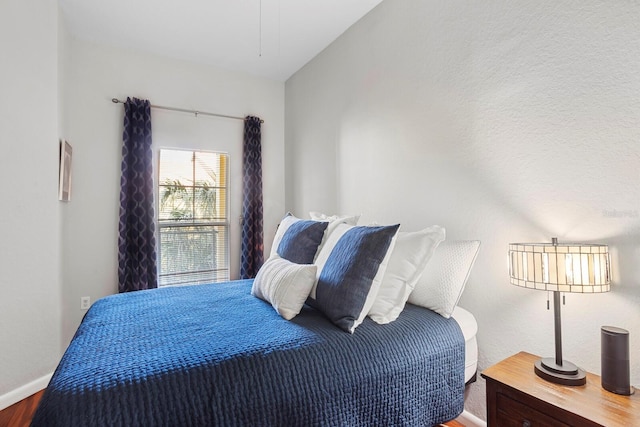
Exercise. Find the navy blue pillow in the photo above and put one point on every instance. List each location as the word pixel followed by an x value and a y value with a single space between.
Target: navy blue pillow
pixel 346 279
pixel 300 242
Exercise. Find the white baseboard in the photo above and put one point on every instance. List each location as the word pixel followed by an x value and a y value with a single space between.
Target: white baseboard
pixel 25 391
pixel 470 420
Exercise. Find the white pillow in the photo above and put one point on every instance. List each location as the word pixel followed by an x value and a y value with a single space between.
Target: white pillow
pixel 445 276
pixel 346 219
pixel 408 260
pixel 284 285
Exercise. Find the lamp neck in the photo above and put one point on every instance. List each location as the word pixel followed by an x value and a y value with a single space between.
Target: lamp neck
pixel 557 326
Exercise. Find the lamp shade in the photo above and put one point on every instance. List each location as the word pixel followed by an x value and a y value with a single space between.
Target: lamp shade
pixel 578 268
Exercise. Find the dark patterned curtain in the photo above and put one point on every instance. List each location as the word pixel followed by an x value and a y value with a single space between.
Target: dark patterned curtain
pixel 252 235
pixel 136 239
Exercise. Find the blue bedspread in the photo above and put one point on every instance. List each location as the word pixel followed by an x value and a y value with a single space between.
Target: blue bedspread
pixel 213 355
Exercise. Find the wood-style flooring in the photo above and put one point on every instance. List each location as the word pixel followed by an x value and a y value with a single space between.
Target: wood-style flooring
pixel 20 414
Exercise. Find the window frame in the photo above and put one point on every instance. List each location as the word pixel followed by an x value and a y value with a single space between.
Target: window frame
pixel 193 222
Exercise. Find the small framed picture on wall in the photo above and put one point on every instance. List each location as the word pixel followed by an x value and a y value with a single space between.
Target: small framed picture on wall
pixel 64 185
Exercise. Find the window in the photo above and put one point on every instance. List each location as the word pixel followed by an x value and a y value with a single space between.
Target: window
pixel 193 217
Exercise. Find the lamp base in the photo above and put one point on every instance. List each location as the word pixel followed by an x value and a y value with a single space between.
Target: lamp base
pixel 565 374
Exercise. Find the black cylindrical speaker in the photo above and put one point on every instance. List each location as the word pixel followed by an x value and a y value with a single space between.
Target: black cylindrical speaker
pixel 615 360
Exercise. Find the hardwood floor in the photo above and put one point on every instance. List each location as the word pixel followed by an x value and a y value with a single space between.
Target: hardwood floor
pixel 20 414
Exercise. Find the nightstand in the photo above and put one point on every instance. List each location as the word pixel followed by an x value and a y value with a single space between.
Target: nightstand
pixel 516 396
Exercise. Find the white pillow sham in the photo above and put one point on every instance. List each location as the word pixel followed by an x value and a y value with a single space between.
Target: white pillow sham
pixel 284 285
pixel 410 256
pixel 347 219
pixel 445 276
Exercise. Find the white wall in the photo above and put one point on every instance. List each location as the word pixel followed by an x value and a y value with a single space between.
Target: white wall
pixel 30 287
pixel 96 74
pixel 502 121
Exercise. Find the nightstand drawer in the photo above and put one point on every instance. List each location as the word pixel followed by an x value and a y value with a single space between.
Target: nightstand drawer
pixel 512 413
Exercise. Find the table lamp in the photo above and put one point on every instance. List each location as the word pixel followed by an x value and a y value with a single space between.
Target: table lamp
pixel 574 267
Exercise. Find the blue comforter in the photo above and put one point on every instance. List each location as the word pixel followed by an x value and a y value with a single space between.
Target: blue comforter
pixel 213 355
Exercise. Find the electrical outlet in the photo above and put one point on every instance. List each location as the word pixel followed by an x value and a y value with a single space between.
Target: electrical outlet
pixel 85 303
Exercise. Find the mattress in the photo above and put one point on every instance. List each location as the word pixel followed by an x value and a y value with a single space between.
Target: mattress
pixel 469 328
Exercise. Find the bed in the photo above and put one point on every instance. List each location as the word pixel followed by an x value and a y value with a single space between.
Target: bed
pixel 157 358
pixel 240 354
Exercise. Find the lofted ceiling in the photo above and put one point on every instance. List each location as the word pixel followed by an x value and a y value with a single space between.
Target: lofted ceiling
pixel 267 38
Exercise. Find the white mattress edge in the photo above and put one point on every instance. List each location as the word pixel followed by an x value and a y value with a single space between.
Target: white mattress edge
pixel 469 327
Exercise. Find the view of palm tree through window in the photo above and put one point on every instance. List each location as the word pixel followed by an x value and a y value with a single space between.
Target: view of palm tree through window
pixel 193 217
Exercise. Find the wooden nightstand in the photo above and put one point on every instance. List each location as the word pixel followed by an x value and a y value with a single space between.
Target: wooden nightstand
pixel 516 396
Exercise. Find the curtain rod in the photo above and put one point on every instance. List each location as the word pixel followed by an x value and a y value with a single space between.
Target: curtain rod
pixel 182 110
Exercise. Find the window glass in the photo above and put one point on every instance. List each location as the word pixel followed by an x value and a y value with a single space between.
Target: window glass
pixel 193 217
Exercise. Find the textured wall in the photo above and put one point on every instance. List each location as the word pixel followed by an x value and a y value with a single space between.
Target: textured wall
pixel 500 120
pixel 29 213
